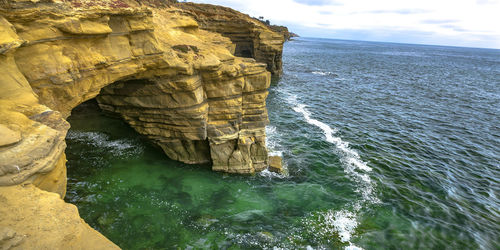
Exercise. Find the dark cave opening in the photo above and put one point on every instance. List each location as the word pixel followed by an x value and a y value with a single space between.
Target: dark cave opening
pixel 246 53
pixel 244 49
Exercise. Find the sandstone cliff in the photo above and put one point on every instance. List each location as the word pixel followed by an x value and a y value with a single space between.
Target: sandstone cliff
pixel 283 30
pixel 36 219
pixel 251 37
pixel 177 84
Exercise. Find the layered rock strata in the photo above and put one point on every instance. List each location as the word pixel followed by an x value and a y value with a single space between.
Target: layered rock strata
pixel 283 30
pixel 216 116
pixel 252 37
pixel 177 84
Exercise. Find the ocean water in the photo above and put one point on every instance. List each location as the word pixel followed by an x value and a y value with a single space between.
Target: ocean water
pixel 386 146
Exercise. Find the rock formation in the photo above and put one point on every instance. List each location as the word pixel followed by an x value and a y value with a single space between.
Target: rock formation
pixel 275 164
pixel 177 84
pixel 36 219
pixel 283 30
pixel 252 37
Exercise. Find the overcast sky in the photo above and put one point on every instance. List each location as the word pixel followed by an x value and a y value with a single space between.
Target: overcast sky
pixel 470 23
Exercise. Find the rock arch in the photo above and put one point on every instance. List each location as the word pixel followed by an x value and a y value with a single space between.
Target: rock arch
pixel 178 85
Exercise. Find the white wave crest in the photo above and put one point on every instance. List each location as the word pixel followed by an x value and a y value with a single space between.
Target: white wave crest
pixel 344 222
pixel 327 130
pixel 268 174
pixel 120 147
pixel 321 73
pixel 273 144
pixel 349 157
pixel 291 98
pixel 273 141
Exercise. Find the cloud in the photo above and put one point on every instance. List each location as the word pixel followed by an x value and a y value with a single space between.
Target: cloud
pixel 400 11
pixel 451 22
pixel 487 2
pixel 439 21
pixel 317 2
pixel 454 28
pixel 326 25
pixel 325 12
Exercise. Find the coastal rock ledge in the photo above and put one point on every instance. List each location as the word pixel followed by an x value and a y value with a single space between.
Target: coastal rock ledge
pixel 180 83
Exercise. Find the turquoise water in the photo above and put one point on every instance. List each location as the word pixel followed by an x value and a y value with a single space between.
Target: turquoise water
pixel 386 146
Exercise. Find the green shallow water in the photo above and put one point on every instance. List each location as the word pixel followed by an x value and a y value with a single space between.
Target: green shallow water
pixel 131 192
pixel 387 146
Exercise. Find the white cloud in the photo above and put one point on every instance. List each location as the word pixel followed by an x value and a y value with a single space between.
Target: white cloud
pixel 448 22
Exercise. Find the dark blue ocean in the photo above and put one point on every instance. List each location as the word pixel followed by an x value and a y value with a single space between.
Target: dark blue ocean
pixel 386 146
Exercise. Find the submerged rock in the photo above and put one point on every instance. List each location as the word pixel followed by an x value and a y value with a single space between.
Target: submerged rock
pixel 206 221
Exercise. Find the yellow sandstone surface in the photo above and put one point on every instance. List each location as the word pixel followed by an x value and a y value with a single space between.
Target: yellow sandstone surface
pixel 251 36
pixel 36 219
pixel 172 81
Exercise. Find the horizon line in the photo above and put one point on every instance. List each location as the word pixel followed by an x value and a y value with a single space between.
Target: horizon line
pixel 421 44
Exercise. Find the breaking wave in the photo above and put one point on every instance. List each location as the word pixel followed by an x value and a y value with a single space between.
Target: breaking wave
pixel 118 148
pixel 322 73
pixel 343 223
pixel 273 144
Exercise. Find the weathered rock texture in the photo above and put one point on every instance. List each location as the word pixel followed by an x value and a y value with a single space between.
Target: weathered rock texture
pixel 283 30
pixel 252 37
pixel 171 81
pixel 275 164
pixel 36 219
pixel 177 84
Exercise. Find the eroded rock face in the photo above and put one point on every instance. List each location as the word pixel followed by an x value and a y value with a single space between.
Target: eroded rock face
pixel 251 37
pixel 177 84
pixel 216 116
pixel 36 144
pixel 275 164
pixel 36 219
pixel 171 81
pixel 283 30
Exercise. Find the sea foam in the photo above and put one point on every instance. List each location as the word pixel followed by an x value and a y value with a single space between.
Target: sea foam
pixel 349 157
pixel 118 148
pixel 273 141
pixel 342 222
pixel 321 73
pixel 273 144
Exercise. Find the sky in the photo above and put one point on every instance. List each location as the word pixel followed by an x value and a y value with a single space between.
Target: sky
pixel 467 23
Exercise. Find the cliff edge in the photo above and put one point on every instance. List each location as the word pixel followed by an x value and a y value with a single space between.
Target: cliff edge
pixel 169 70
pixel 252 38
